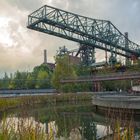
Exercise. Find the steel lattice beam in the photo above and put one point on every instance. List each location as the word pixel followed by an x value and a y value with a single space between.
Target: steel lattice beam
pixel 100 34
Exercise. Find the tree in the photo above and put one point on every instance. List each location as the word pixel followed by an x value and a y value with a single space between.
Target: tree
pixel 83 71
pixel 42 67
pixel 30 81
pixel 5 81
pixel 19 80
pixel 39 78
pixel 43 80
pixel 42 74
pixel 63 70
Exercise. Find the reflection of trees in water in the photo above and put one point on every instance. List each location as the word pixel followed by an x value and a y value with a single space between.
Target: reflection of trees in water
pixel 88 129
pixel 69 122
pixel 72 119
pixel 66 123
pixel 69 119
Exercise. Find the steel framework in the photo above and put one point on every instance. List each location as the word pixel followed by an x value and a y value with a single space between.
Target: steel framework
pixel 87 54
pixel 98 78
pixel 95 33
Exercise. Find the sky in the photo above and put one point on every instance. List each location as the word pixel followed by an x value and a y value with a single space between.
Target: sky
pixel 22 48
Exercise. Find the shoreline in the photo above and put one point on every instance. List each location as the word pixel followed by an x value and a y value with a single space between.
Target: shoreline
pixel 13 102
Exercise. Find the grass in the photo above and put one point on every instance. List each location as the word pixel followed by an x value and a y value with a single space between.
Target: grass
pixel 23 129
pixel 122 123
pixel 26 128
pixel 8 103
pixel 68 126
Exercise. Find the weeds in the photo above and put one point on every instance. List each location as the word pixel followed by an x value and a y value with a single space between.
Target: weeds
pixel 7 103
pixel 13 128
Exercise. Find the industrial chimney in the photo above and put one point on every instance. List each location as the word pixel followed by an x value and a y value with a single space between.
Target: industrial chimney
pixel 45 56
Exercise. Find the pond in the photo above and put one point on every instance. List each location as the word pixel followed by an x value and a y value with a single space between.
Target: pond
pixel 68 121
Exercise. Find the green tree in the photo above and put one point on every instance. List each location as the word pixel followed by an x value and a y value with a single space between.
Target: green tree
pixel 83 71
pixel 43 80
pixel 30 82
pixel 64 69
pixel 19 80
pixel 42 67
pixel 42 75
pixel 11 85
pixel 5 81
pixel 26 80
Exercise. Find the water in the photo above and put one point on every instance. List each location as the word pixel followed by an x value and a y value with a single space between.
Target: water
pixel 75 121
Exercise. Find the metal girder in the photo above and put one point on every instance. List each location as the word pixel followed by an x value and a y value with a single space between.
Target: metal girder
pixel 100 34
pixel 97 78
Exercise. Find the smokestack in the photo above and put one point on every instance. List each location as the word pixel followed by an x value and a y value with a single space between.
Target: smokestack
pixel 45 56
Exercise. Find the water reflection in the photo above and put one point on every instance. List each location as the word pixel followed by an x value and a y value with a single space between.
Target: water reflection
pixel 76 122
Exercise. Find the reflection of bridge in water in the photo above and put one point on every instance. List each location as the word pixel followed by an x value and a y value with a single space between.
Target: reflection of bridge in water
pixel 98 78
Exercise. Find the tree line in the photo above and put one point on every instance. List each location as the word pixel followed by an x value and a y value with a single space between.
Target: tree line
pixel 43 77
pixel 39 78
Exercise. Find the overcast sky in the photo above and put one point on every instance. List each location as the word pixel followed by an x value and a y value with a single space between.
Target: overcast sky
pixel 22 49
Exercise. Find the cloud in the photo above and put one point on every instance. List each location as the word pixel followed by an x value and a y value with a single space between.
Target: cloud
pixel 28 45
pixel 25 4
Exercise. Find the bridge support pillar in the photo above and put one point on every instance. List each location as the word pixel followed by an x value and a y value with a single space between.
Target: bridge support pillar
pixel 96 86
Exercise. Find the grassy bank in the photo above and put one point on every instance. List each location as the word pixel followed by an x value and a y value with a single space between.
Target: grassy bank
pixel 7 103
pixel 26 127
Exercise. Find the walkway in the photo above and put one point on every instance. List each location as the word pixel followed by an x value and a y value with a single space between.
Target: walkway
pixel 98 78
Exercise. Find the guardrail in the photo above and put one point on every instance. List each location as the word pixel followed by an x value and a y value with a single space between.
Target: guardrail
pixel 25 91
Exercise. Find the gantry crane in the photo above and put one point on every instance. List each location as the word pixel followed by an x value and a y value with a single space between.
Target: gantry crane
pixel 90 33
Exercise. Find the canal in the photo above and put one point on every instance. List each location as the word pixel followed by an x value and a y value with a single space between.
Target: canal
pixel 69 121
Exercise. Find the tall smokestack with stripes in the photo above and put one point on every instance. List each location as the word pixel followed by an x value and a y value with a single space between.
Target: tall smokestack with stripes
pixel 45 56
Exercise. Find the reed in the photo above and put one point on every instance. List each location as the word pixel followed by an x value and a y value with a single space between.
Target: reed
pixel 23 129
pixel 122 123
pixel 7 103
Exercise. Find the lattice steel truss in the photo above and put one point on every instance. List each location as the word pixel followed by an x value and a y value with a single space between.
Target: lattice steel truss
pixel 95 33
pixel 87 55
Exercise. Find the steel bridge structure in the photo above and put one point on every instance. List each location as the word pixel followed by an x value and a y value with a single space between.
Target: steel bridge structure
pixel 90 33
pixel 99 78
